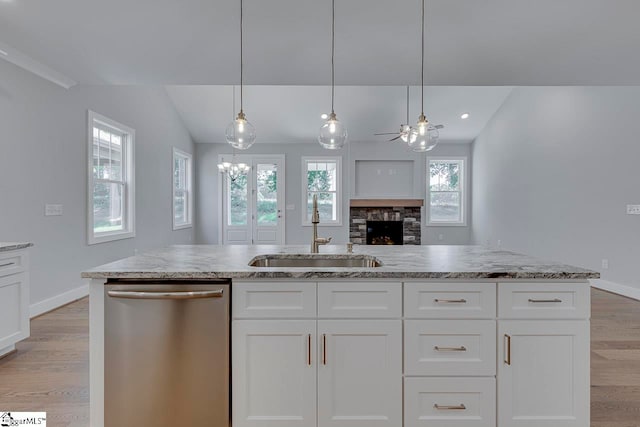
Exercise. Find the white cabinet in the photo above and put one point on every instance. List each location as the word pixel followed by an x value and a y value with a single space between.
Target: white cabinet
pixel 543 373
pixel 360 373
pixel 274 373
pixel 14 295
pixel 307 372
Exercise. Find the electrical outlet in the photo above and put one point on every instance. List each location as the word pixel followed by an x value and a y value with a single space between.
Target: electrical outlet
pixel 633 209
pixel 499 243
pixel 291 207
pixel 52 210
pixel 605 264
pixel 440 237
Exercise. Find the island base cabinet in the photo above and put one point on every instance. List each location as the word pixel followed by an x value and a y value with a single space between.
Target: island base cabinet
pixel 449 402
pixel 274 373
pixel 360 373
pixel 543 373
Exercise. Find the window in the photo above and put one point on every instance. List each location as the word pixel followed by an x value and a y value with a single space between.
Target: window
pixel 446 191
pixel 111 187
pixel 182 190
pixel 322 176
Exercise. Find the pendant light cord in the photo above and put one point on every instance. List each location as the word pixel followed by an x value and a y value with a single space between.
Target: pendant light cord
pixel 241 53
pixel 422 77
pixel 407 105
pixel 333 48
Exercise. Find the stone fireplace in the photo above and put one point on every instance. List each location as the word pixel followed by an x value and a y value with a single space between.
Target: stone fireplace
pixel 385 221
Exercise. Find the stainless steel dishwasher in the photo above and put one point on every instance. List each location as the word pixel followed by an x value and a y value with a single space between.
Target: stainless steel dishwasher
pixel 167 353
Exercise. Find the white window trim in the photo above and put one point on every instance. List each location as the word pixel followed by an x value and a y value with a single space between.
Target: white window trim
pixel 463 192
pixel 338 160
pixel 129 213
pixel 189 224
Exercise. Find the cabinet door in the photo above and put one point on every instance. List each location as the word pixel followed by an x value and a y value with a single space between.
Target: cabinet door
pixel 14 315
pixel 543 374
pixel 360 373
pixel 273 373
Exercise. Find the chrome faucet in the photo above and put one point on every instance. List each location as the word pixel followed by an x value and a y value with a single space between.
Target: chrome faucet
pixel 315 220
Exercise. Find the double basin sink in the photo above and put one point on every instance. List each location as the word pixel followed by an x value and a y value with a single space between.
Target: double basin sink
pixel 315 260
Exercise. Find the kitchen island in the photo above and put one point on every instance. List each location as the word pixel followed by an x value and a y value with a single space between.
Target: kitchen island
pixel 434 336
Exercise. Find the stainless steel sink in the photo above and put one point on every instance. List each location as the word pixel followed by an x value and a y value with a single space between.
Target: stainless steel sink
pixel 315 260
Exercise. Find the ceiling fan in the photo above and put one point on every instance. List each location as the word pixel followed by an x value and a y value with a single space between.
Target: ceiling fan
pixel 405 129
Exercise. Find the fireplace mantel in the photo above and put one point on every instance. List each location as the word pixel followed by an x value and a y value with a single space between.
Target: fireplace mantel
pixel 386 203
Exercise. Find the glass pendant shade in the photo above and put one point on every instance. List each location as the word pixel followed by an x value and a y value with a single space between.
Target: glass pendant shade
pixel 424 137
pixel 333 134
pixel 240 133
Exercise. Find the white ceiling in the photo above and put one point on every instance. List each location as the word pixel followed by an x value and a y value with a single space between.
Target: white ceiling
pixel 289 114
pixel 469 42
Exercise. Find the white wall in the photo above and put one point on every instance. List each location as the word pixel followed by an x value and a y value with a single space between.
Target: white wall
pixel 553 173
pixel 43 151
pixel 208 176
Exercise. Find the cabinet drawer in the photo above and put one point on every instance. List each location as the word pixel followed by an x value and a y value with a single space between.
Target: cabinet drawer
pixel 450 347
pixel 284 300
pixel 450 300
pixel 450 402
pixel 359 300
pixel 12 262
pixel 544 300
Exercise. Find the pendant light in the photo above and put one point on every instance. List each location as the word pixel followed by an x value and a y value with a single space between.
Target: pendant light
pixel 333 134
pixel 240 133
pixel 426 135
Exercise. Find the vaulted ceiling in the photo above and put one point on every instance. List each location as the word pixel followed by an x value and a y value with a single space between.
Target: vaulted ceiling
pixel 469 42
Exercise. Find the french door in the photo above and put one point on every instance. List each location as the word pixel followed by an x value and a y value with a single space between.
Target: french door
pixel 253 204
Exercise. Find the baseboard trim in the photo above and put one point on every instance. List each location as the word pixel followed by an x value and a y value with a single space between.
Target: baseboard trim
pixel 58 301
pixel 616 288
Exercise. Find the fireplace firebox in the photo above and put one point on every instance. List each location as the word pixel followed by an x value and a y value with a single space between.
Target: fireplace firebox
pixel 385 233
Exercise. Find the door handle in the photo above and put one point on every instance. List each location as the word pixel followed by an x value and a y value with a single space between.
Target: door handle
pixel 309 350
pixel 324 349
pixel 450 407
pixel 507 349
pixel 165 295
pixel 452 301
pixel 544 300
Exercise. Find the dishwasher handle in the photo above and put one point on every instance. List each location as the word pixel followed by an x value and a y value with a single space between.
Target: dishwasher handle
pixel 165 295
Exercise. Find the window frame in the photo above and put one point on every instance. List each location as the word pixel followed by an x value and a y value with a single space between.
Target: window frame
pixel 463 191
pixel 306 222
pixel 177 153
pixel 128 180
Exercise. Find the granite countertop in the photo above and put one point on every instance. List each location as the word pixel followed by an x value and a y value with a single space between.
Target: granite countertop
pixel 13 246
pixel 409 261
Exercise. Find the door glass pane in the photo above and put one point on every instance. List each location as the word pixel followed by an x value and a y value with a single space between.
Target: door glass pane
pixel 108 206
pixel 445 206
pixel 267 194
pixel 237 191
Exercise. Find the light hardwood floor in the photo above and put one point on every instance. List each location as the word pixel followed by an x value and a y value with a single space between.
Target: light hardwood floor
pixel 50 372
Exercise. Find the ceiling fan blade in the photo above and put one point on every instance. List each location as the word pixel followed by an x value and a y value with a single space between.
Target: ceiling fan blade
pixel 397 137
pixel 390 133
pixel 439 126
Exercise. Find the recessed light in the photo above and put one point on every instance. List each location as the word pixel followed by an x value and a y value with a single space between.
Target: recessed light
pixel 324 116
pixel 464 116
pixel 2 52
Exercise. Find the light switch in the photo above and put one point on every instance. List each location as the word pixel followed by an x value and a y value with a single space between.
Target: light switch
pixel 52 210
pixel 633 209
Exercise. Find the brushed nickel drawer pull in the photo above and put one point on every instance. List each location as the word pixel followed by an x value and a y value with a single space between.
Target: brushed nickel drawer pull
pixel 461 348
pixel 7 264
pixel 544 300
pixel 450 408
pixel 452 301
pixel 507 348
pixel 309 350
pixel 165 295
